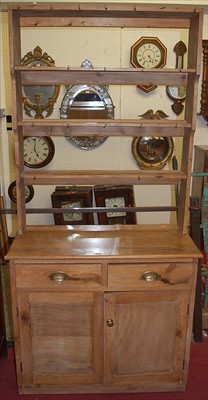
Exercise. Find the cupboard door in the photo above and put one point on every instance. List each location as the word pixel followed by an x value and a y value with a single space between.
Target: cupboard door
pixel 60 338
pixel 145 336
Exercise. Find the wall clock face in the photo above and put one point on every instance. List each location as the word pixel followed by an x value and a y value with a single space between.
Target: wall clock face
pixel 72 217
pixel 12 192
pixel 178 95
pixel 176 92
pixel 69 197
pixel 115 197
pixel 115 202
pixel 148 52
pixel 38 151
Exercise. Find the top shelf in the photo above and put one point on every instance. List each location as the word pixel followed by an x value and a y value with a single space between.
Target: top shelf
pixel 105 14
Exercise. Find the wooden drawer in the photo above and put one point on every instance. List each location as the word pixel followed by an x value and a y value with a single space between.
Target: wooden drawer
pixel 56 276
pixel 133 275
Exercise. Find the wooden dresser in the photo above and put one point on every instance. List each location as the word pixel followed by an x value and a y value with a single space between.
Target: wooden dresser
pixel 102 309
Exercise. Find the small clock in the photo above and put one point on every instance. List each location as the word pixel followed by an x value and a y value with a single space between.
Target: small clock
pixel 12 192
pixel 115 197
pixel 69 197
pixel 38 151
pixel 178 95
pixel 148 52
pixel 75 217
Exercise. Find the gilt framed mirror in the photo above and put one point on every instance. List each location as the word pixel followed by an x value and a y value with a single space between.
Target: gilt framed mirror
pixel 87 102
pixel 152 152
pixel 39 100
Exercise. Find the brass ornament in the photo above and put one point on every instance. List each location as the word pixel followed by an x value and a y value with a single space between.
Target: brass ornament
pixel 149 114
pixel 39 100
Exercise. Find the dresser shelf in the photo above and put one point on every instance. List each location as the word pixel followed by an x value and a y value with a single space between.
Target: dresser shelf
pixel 85 177
pixel 93 15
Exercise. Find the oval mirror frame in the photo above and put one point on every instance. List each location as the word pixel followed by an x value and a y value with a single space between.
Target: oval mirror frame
pixel 152 152
pixel 90 101
pixel 39 100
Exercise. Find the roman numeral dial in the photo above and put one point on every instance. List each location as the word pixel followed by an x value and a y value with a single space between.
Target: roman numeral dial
pixel 148 52
pixel 38 151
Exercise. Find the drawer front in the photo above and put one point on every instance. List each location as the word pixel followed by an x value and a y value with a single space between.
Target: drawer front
pixel 55 276
pixel 146 275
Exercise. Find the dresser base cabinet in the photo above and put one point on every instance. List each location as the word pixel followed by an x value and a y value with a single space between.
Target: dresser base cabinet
pixel 103 308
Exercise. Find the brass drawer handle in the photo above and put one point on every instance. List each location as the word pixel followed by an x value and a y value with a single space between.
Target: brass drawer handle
pixel 150 276
pixel 58 277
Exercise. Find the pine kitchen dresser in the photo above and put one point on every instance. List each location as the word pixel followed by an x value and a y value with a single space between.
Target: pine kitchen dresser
pixel 103 308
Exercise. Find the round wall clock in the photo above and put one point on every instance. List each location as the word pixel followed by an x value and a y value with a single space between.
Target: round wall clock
pixel 12 192
pixel 152 152
pixel 38 151
pixel 148 52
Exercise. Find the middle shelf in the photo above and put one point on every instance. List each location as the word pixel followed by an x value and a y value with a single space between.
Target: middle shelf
pixel 82 177
pixel 103 127
pixel 102 76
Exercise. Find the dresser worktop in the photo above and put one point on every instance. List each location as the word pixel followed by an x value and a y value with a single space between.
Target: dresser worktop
pixel 63 242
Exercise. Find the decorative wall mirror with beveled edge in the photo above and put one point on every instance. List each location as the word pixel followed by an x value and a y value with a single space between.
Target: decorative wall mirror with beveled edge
pixel 152 152
pixel 39 100
pixel 87 102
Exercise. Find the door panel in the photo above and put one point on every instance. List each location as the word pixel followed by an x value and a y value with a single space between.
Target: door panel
pixel 147 339
pixel 61 341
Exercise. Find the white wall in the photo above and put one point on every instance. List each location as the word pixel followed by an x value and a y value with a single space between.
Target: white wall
pixel 103 47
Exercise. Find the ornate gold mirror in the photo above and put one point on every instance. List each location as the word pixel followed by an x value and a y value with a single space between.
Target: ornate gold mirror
pixel 87 102
pixel 152 152
pixel 39 100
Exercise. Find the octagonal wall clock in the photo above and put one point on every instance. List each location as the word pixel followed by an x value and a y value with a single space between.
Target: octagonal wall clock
pixel 148 52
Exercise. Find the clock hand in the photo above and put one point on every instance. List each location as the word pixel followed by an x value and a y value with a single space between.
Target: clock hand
pixel 34 148
pixel 34 142
pixel 150 58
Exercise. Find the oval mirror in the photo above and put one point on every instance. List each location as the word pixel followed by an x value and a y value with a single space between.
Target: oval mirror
pixel 87 102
